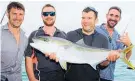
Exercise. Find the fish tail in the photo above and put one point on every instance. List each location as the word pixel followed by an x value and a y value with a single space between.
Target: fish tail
pixel 125 51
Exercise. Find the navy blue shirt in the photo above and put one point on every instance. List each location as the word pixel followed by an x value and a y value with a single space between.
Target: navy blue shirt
pixel 44 63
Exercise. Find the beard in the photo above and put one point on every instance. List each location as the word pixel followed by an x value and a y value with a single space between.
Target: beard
pixel 87 30
pixel 110 24
pixel 49 24
pixel 16 26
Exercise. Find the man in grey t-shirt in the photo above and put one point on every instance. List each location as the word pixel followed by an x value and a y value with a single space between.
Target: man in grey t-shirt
pixel 13 43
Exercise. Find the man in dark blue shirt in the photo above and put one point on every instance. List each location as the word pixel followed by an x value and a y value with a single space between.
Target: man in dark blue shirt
pixel 45 68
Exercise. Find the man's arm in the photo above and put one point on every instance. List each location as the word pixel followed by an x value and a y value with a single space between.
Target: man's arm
pixel 28 60
pixel 126 41
pixel 112 56
pixel 29 69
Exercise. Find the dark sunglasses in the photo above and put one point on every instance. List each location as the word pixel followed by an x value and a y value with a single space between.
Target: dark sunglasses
pixel 48 13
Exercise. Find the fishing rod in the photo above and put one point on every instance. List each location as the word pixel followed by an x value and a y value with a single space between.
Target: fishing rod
pixel 3 17
pixel 126 27
pixel 128 67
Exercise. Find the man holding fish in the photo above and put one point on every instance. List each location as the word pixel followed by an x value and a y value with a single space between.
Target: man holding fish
pixel 45 69
pixel 116 41
pixel 87 35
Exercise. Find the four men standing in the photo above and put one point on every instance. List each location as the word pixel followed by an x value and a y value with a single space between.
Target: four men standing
pixel 46 69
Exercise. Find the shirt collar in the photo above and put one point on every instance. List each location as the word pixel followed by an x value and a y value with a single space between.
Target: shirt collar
pixel 42 31
pixel 5 27
pixel 94 33
pixel 104 28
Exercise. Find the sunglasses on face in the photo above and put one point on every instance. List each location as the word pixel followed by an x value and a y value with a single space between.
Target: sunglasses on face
pixel 48 13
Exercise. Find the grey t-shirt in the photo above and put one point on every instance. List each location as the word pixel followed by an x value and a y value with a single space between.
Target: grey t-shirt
pixel 11 54
pixel 84 72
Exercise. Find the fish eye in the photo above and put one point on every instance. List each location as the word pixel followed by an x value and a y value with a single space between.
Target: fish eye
pixel 45 39
pixel 41 38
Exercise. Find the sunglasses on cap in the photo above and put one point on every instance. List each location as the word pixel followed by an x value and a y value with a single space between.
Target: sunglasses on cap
pixel 48 13
pixel 89 8
pixel 93 9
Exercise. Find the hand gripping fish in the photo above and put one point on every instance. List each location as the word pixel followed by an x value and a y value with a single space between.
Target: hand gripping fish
pixel 67 51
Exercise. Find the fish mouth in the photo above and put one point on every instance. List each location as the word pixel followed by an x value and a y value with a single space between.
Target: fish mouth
pixel 32 44
pixel 39 38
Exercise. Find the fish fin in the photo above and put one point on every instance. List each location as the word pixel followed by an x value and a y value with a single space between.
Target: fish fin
pixel 63 64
